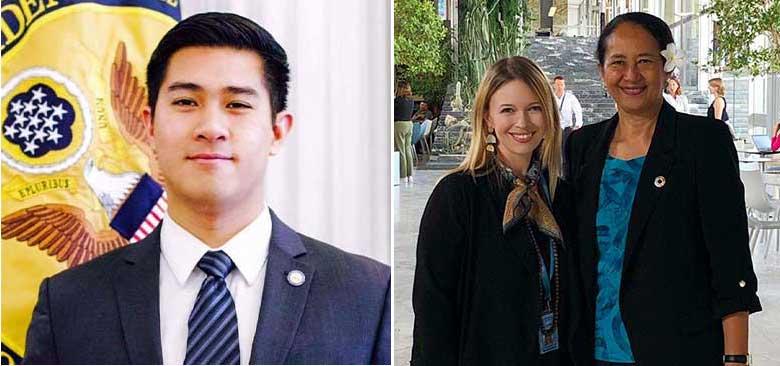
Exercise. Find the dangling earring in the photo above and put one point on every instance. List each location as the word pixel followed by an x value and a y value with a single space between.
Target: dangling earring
pixel 491 140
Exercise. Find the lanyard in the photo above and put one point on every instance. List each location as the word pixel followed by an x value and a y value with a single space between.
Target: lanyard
pixel 547 279
pixel 547 273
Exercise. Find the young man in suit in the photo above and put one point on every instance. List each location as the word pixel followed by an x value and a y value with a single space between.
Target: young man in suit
pixel 223 280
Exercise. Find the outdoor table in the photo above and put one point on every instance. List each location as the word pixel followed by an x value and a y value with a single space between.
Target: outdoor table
pixel 756 159
pixel 760 153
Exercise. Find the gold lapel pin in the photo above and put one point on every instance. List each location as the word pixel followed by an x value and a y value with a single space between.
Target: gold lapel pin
pixel 659 181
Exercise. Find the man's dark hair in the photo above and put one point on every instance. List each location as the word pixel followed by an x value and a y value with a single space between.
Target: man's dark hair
pixel 651 23
pixel 222 30
pixel 558 77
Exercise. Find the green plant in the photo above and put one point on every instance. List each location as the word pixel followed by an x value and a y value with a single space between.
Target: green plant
pixel 431 86
pixel 489 30
pixel 418 35
pixel 739 24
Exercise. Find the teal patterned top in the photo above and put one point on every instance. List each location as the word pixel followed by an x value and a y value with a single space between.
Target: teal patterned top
pixel 618 185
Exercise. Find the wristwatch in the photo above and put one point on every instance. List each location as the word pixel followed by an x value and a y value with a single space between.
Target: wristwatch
pixel 743 359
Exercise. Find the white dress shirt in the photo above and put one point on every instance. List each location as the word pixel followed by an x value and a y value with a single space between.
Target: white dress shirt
pixel 180 281
pixel 680 103
pixel 571 106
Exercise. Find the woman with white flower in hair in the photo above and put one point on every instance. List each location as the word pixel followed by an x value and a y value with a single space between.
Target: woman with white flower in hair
pixel 659 223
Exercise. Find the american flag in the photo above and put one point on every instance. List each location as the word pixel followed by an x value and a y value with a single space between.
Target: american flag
pixel 142 211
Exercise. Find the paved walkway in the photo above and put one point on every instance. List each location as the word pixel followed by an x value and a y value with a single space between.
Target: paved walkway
pixel 409 202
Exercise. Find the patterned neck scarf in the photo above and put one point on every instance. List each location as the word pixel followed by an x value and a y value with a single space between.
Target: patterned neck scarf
pixel 527 200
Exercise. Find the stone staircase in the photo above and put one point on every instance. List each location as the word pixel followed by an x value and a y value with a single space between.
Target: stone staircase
pixel 574 58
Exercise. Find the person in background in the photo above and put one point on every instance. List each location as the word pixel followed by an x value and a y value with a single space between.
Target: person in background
pixel 665 275
pixel 674 95
pixel 568 106
pixel 403 107
pixel 490 284
pixel 776 137
pixel 569 109
pixel 423 113
pixel 717 109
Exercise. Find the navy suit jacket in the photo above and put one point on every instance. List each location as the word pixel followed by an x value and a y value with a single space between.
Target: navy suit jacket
pixel 107 311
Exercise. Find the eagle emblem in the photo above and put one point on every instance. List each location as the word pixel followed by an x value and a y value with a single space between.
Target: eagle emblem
pixel 61 230
pixel 128 98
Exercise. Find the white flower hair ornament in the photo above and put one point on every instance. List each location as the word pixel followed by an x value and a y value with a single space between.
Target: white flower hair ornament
pixel 673 56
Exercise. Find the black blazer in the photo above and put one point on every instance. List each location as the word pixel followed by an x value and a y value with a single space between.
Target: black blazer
pixel 475 297
pixel 687 262
pixel 107 311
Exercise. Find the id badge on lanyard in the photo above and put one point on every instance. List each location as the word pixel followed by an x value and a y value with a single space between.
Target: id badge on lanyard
pixel 548 335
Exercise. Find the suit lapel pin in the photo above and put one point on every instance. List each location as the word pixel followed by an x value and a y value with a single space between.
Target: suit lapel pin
pixel 659 181
pixel 296 278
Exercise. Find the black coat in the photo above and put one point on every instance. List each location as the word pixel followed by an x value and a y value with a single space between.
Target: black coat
pixel 687 262
pixel 476 294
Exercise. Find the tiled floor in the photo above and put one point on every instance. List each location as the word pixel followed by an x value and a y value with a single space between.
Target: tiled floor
pixel 409 201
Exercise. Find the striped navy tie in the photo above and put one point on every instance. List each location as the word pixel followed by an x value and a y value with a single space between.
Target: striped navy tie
pixel 213 326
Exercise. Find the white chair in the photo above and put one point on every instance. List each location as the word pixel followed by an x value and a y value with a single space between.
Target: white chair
pixel 414 144
pixel 761 211
pixel 426 126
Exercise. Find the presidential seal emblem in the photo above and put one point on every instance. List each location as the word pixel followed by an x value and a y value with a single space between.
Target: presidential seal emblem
pixel 46 122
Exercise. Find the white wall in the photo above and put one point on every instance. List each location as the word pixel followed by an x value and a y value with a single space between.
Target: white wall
pixel 331 180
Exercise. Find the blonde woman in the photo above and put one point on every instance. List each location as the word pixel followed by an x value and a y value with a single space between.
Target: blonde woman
pixel 489 283
pixel 717 109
